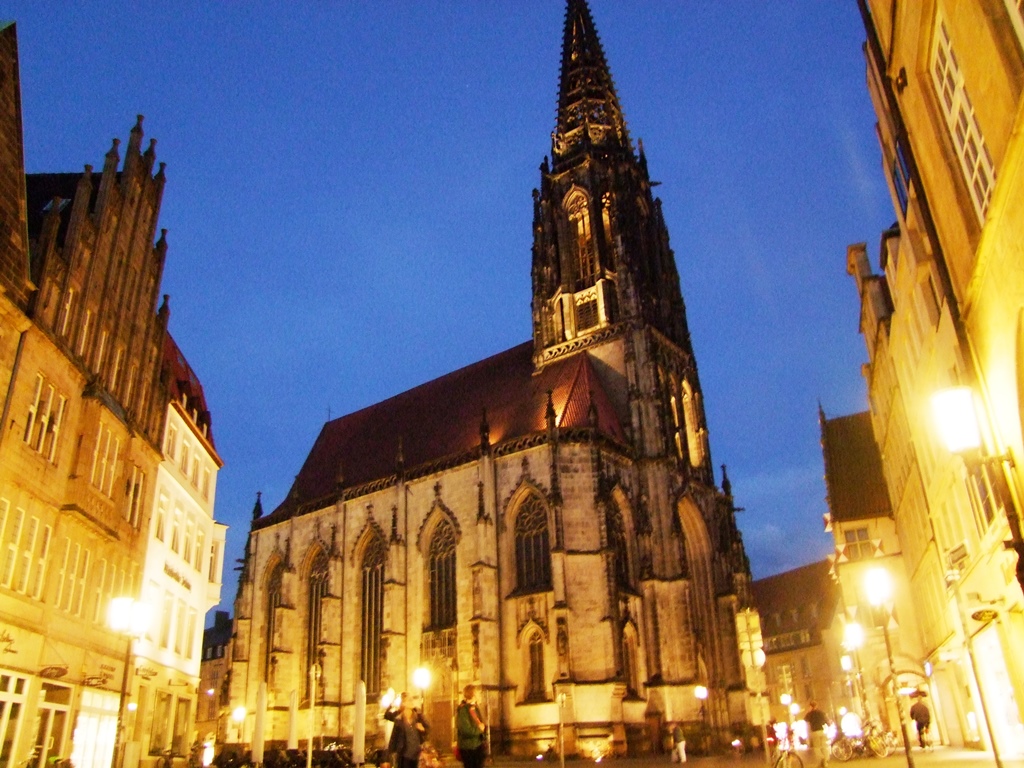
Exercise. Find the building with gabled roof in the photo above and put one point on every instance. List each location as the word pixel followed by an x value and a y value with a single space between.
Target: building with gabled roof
pixel 88 386
pixel 543 524
pixel 798 609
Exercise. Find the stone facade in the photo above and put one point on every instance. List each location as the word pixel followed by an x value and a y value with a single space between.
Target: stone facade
pixel 86 390
pixel 945 311
pixel 543 524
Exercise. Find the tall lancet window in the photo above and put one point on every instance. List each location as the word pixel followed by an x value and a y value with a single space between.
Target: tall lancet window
pixel 441 568
pixel 578 209
pixel 533 553
pixel 273 629
pixel 374 557
pixel 314 625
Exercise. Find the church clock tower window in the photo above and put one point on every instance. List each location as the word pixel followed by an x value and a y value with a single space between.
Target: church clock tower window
pixel 577 207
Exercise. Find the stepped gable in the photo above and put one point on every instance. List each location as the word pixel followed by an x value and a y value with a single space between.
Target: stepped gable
pixel 442 419
pixel 853 468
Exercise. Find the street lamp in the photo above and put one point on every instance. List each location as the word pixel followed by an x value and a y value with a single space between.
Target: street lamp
pixel 701 692
pixel 956 419
pixel 878 585
pixel 129 617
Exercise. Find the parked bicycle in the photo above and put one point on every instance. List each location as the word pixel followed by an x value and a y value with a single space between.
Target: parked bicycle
pixel 785 756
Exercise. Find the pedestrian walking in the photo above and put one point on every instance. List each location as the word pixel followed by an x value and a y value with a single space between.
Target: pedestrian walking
pixel 922 718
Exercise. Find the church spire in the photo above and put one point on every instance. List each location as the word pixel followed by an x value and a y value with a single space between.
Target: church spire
pixel 589 115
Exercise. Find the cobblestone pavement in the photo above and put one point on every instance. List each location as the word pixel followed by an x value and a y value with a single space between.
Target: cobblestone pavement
pixel 937 757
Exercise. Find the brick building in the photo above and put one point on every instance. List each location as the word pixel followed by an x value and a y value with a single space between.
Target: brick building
pixel 87 386
pixel 544 523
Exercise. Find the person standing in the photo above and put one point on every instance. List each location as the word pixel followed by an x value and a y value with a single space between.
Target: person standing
pixel 816 722
pixel 470 730
pixel 922 718
pixel 408 735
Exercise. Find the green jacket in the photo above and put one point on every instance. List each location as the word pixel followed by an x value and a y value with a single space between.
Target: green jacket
pixel 470 735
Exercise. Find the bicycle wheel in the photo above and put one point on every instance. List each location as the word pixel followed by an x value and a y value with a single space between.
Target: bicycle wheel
pixel 878 745
pixel 789 760
pixel 842 749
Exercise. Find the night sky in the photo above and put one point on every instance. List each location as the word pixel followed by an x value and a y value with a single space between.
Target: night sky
pixel 349 205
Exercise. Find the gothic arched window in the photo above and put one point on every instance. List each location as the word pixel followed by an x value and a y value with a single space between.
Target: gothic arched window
pixel 536 689
pixel 374 557
pixel 318 581
pixel 441 571
pixel 533 553
pixel 274 601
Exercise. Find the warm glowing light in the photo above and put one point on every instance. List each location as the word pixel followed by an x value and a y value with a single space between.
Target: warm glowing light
pixel 850 723
pixel 846 662
pixel 878 585
pixel 128 616
pixel 421 678
pixel 956 419
pixel 853 636
pixel 132 706
pixel 238 714
pixel 700 692
pixel 794 708
pixel 209 691
pixel 785 699
pixel 759 658
pixel 387 698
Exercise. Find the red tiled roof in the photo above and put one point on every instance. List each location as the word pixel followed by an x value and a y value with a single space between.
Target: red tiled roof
pixel 442 419
pixel 183 382
pixel 853 469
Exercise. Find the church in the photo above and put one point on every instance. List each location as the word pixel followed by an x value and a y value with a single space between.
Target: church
pixel 544 524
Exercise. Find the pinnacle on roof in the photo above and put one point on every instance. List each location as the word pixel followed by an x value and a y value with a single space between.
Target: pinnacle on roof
pixel 589 115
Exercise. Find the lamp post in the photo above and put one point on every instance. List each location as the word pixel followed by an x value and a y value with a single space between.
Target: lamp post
pixel 878 585
pixel 956 418
pixel 128 617
pixel 701 692
pixel 786 700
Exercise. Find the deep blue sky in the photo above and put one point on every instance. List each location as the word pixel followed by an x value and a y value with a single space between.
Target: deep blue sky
pixel 349 209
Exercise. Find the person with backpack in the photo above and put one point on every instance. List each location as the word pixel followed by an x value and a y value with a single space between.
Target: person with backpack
pixel 470 730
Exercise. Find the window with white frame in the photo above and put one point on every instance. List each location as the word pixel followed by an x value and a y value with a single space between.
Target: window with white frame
pixel 83 335
pixel 133 502
pixel 161 517
pixel 171 445
pixel 975 161
pixel 43 422
pixel 104 460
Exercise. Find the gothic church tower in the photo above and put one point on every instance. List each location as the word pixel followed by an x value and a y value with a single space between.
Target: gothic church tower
pixel 544 523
